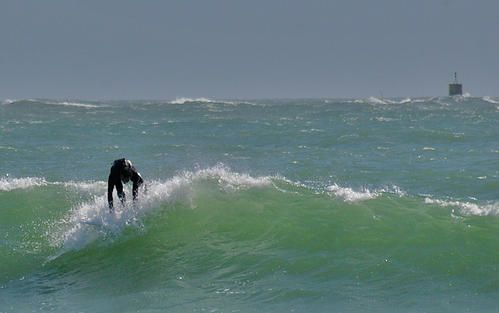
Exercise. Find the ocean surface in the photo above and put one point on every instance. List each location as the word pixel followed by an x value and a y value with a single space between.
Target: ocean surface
pixel 308 205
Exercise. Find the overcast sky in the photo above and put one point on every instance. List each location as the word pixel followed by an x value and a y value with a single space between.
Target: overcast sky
pixel 123 49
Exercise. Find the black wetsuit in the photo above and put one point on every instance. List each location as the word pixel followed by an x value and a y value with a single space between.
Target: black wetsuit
pixel 121 172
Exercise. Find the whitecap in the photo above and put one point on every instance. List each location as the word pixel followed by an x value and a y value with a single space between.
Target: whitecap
pixel 350 195
pixel 73 104
pixel 8 148
pixel 384 119
pixel 374 100
pixel 8 183
pixel 8 101
pixel 468 208
pixel 91 187
pixel 183 100
pixel 406 100
pixel 490 100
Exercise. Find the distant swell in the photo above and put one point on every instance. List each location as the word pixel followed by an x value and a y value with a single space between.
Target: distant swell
pixel 183 100
pixel 75 104
pixel 53 102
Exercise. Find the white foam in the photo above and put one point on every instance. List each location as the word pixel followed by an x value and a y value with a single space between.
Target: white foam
pixel 8 183
pixel 384 119
pixel 91 187
pixel 350 195
pixel 422 100
pixel 229 179
pixel 461 98
pixel 356 101
pixel 406 100
pixel 8 148
pixel 490 100
pixel 468 208
pixel 74 104
pixel 183 100
pixel 8 101
pixel 429 149
pixel 61 103
pixel 374 100
pixel 12 101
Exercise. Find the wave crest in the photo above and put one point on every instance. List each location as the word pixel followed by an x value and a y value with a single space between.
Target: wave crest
pixel 375 100
pixel 183 100
pixel 74 104
pixel 468 208
pixel 8 183
pixel 490 100
pixel 53 102
pixel 350 195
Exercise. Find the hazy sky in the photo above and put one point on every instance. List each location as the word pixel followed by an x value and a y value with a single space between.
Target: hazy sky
pixel 122 49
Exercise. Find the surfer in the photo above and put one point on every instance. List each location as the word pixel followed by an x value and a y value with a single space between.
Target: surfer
pixel 121 172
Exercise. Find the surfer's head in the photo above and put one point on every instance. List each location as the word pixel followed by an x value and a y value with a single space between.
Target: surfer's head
pixel 126 173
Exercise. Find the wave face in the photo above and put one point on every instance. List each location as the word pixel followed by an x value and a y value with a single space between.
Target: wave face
pixel 217 234
pixel 268 206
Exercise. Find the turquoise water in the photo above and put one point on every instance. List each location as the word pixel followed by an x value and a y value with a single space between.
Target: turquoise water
pixel 321 205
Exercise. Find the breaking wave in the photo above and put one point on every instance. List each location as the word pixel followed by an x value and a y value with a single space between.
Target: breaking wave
pixel 85 222
pixel 467 208
pixel 9 183
pixel 241 233
pixel 183 100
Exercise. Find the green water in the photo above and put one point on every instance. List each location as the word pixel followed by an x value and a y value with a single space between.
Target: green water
pixel 264 206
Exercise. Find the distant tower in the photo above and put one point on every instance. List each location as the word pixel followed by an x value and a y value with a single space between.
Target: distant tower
pixel 455 88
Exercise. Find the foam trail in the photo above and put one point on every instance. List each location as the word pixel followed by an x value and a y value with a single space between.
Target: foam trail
pixel 184 100
pixel 374 100
pixel 403 101
pixel 60 103
pixel 467 208
pixel 490 100
pixel 8 184
pixel 75 104
pixel 406 100
pixel 90 187
pixel 9 101
pixel 349 195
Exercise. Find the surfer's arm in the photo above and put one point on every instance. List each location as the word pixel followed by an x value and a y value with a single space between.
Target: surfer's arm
pixel 119 190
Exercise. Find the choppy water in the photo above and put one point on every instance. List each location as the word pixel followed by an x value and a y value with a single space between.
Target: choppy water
pixel 327 205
